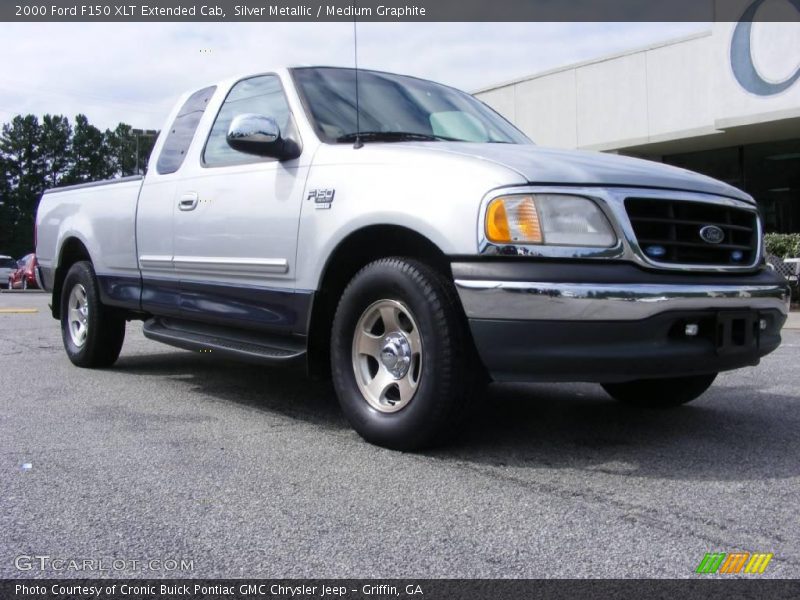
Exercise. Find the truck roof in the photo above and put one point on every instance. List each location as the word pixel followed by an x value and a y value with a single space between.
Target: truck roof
pixel 285 69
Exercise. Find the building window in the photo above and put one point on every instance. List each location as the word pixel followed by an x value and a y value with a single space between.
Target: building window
pixel 770 172
pixel 772 176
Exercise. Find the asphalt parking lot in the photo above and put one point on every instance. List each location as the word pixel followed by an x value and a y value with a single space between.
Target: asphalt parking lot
pixel 253 472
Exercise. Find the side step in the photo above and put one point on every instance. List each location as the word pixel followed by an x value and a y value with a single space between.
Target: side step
pixel 226 341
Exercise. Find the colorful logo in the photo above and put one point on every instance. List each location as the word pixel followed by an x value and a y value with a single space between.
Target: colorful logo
pixel 734 562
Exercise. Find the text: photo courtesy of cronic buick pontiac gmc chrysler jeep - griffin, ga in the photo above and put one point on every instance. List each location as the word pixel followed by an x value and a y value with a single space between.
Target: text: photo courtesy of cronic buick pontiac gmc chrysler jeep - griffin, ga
pixel 412 253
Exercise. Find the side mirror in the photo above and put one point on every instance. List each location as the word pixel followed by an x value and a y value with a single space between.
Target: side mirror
pixel 260 135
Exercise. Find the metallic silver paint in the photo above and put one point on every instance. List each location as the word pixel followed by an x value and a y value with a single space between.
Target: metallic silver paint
pixel 222 266
pixel 539 165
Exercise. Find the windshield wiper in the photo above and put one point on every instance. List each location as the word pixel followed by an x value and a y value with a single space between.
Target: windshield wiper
pixel 393 136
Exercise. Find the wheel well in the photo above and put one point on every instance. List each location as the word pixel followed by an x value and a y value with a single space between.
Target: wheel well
pixel 354 252
pixel 72 251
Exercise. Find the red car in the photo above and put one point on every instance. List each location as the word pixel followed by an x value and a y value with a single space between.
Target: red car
pixel 24 277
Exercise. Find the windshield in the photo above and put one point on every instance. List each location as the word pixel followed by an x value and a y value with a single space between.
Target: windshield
pixel 8 263
pixel 396 108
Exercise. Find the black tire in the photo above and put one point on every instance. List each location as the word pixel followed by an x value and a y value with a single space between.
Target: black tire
pixel 660 393
pixel 105 331
pixel 447 368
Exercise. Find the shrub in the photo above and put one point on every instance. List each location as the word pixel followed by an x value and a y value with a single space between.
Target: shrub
pixel 783 245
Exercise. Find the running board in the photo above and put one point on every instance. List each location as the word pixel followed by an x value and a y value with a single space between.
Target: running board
pixel 226 341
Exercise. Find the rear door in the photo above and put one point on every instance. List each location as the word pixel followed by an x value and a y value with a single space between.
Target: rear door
pixel 156 207
pixel 235 222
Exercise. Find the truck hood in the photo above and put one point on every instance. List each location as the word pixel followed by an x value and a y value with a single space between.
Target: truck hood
pixel 574 167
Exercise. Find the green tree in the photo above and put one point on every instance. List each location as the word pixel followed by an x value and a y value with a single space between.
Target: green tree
pixel 144 148
pixel 38 155
pixel 91 158
pixel 56 139
pixel 25 176
pixel 124 143
pixel 5 208
pixel 122 149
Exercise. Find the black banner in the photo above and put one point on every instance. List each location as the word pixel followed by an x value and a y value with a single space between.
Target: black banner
pixel 395 10
pixel 423 589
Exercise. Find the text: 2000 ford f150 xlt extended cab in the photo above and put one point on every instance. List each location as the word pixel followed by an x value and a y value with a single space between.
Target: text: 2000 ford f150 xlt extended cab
pixel 433 250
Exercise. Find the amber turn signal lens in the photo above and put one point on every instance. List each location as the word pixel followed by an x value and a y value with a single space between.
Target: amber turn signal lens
pixel 513 220
pixel 497 222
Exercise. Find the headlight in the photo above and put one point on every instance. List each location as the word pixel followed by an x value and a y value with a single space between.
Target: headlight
pixel 548 219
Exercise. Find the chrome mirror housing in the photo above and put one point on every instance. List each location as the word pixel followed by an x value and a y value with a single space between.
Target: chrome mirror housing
pixel 253 134
pixel 260 135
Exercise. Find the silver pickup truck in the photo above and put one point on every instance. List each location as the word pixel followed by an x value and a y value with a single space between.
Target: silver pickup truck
pixel 405 239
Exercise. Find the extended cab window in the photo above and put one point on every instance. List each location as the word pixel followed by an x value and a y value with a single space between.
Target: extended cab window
pixel 258 95
pixel 182 131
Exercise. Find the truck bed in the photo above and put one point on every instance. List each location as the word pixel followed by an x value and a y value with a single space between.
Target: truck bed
pixel 91 184
pixel 101 215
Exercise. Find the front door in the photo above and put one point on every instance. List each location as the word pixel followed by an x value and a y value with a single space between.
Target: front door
pixel 236 218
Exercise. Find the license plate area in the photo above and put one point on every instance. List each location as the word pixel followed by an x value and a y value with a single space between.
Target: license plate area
pixel 736 331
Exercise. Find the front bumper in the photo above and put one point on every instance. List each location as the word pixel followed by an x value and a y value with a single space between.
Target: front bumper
pixel 554 321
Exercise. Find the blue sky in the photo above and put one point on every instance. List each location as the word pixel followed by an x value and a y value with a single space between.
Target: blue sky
pixel 134 72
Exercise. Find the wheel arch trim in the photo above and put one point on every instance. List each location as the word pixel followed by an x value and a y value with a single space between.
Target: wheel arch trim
pixel 325 299
pixel 58 271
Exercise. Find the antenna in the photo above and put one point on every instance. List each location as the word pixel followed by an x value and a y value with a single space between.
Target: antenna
pixel 358 143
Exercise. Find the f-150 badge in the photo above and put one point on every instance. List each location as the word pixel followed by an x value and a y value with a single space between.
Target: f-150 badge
pixel 322 198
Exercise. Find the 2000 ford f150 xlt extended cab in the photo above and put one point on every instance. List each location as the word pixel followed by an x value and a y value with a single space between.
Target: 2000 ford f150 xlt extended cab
pixel 415 251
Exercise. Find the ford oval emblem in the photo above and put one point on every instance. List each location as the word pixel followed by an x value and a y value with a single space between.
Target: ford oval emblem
pixel 712 234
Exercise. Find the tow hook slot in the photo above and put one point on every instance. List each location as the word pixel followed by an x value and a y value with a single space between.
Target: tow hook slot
pixel 737 332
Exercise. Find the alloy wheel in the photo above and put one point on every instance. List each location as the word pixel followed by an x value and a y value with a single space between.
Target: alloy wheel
pixel 387 355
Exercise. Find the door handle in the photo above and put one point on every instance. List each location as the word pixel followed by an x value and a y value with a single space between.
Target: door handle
pixel 188 201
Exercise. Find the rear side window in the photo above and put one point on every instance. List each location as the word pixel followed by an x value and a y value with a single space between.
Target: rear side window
pixel 262 95
pixel 182 131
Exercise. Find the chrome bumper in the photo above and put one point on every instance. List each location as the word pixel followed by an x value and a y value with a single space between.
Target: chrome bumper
pixel 519 300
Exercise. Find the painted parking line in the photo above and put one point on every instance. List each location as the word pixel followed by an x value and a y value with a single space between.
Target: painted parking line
pixel 18 310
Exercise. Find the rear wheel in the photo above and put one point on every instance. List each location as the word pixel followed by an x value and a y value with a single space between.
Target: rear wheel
pixel 400 355
pixel 660 393
pixel 92 334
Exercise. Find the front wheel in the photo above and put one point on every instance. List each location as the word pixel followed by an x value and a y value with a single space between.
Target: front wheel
pixel 92 334
pixel 400 355
pixel 660 393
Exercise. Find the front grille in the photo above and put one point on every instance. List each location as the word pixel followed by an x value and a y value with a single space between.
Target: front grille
pixel 668 231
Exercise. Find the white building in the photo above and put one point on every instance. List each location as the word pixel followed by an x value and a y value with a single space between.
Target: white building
pixel 725 102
